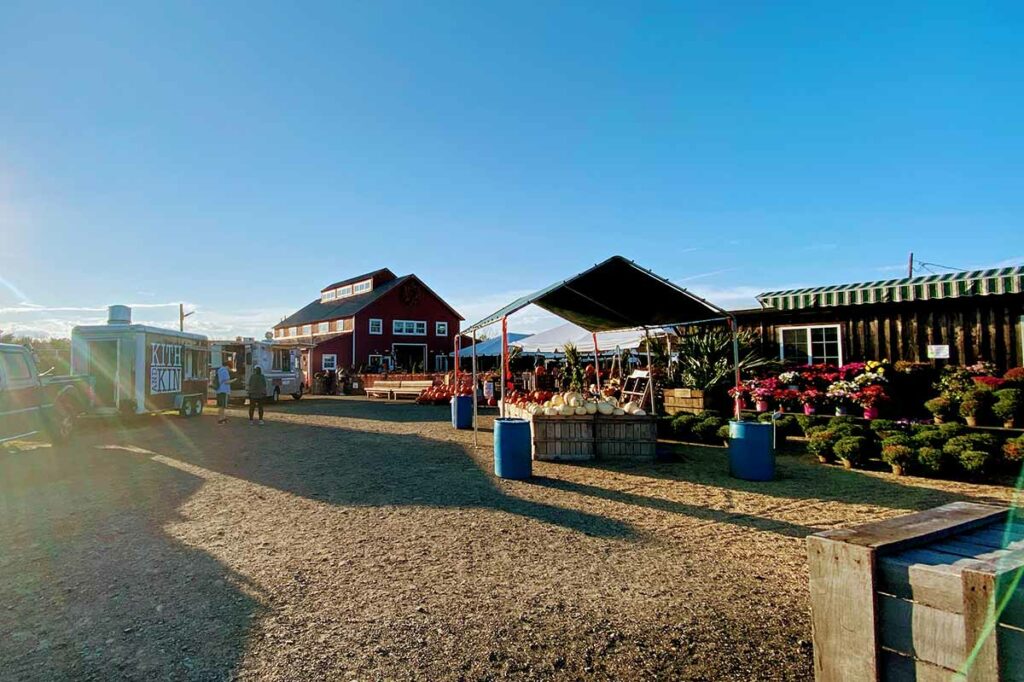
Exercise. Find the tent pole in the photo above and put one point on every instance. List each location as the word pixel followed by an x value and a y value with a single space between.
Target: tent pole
pixel 650 371
pixel 597 362
pixel 476 442
pixel 736 364
pixel 458 343
pixel 504 361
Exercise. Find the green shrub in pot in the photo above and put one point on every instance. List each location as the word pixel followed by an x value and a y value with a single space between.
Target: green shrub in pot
pixel 852 451
pixel 1009 406
pixel 899 457
pixel 942 408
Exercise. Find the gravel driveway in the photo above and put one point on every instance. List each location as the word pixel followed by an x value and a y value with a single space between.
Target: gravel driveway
pixel 349 539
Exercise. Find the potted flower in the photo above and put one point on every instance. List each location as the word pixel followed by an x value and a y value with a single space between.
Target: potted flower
pixel 898 457
pixel 740 394
pixel 870 398
pixel 812 399
pixel 941 407
pixel 787 399
pixel 791 379
pixel 1009 406
pixel 761 395
pixel 841 392
pixel 975 405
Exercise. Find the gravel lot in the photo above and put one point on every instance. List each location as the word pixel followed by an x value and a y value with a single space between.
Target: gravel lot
pixel 357 540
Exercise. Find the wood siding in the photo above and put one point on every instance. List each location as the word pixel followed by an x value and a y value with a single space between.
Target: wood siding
pixel 975 328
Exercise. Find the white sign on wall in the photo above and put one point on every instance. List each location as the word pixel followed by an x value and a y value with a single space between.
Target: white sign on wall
pixel 164 368
pixel 938 352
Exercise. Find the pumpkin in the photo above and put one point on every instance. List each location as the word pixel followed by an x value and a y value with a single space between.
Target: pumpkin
pixel 618 412
pixel 605 408
pixel 580 411
pixel 590 407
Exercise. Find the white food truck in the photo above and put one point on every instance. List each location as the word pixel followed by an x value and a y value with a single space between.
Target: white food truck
pixel 279 363
pixel 141 369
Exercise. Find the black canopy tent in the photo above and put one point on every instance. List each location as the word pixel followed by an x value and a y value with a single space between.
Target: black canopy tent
pixel 611 296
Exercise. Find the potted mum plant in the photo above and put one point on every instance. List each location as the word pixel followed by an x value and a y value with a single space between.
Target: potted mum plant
pixel 761 395
pixel 941 407
pixel 787 399
pixel 1009 406
pixel 898 457
pixel 870 398
pixel 974 406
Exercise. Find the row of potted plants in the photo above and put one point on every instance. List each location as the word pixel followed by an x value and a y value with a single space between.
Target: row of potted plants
pixel 818 388
pixel 978 396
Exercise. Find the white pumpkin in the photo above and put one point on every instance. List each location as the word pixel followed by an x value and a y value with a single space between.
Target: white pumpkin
pixel 605 408
pixel 556 400
pixel 618 412
pixel 566 410
pixel 630 407
pixel 591 407
pixel 580 411
pixel 550 411
pixel 639 413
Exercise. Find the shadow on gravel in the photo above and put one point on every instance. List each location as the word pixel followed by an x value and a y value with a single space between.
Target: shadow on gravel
pixel 797 478
pixel 349 467
pixel 91 587
pixel 694 511
pixel 355 407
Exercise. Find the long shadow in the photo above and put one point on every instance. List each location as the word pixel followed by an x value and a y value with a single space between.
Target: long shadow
pixel 365 468
pixel 355 407
pixel 671 506
pixel 797 478
pixel 91 587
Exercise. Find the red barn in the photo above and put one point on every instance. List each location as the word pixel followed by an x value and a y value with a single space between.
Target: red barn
pixel 372 320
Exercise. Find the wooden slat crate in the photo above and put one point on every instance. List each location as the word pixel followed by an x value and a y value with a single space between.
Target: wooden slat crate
pixel 563 439
pixel 626 437
pixel 913 598
pixel 688 400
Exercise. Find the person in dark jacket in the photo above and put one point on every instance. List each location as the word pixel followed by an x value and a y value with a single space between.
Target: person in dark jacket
pixel 257 393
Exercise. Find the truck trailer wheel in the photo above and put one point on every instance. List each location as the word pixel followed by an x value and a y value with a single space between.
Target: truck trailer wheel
pixel 298 396
pixel 198 410
pixel 186 408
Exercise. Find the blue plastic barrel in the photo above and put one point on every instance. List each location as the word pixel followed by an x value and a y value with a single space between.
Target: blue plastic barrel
pixel 751 455
pixel 512 449
pixel 462 411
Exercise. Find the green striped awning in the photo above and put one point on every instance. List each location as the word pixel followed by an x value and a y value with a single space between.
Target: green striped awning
pixel 925 288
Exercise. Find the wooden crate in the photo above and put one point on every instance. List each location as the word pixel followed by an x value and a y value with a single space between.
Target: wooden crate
pixel 689 400
pixel 563 439
pixel 625 437
pixel 911 598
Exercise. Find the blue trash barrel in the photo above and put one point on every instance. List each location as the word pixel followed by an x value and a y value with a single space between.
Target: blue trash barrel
pixel 462 411
pixel 751 455
pixel 512 449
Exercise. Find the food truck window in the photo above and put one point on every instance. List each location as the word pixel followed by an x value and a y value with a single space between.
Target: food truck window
pixel 282 361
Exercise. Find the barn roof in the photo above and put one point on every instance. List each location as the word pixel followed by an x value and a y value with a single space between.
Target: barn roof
pixel 360 278
pixel 318 311
pixel 930 287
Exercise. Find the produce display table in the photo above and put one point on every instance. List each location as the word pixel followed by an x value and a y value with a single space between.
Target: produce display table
pixel 580 438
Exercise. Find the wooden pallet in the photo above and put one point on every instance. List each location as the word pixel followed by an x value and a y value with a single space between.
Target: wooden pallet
pixel 626 437
pixel 688 400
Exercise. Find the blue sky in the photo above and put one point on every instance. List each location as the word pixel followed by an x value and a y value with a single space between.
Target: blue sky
pixel 494 148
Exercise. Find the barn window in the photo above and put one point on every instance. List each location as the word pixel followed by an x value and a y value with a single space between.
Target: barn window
pixel 329 362
pixel 441 329
pixel 376 325
pixel 362 287
pixel 409 327
pixel 330 295
pixel 811 345
pixel 323 327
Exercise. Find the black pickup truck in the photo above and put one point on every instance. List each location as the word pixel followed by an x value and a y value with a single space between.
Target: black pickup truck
pixel 31 404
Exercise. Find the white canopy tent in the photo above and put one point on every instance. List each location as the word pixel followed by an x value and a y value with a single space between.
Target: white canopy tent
pixel 553 340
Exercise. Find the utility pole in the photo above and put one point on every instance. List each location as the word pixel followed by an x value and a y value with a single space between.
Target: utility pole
pixel 910 265
pixel 182 315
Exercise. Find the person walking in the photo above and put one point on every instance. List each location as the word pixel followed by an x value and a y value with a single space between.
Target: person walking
pixel 223 391
pixel 257 392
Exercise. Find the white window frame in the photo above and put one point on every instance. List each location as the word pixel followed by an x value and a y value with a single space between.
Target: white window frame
pixel 307 330
pixel 437 329
pixel 344 292
pixel 295 331
pixel 329 295
pixel 323 327
pixel 807 328
pixel 398 327
pixel 380 326
pixel 362 287
pixel 333 363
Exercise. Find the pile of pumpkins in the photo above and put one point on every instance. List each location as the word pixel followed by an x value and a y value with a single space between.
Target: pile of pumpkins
pixel 441 395
pixel 571 404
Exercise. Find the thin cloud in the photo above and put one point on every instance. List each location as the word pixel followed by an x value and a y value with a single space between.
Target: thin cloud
pixel 32 308
pixel 703 275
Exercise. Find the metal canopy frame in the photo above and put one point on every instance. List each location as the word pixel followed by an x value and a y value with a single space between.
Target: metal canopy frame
pixel 614 295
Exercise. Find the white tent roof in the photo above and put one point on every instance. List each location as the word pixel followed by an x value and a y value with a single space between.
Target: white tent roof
pixel 553 340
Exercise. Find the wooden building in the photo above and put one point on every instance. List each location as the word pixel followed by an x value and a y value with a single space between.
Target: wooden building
pixel 373 320
pixel 971 315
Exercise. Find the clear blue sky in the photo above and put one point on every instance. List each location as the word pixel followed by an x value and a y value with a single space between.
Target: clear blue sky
pixel 493 148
